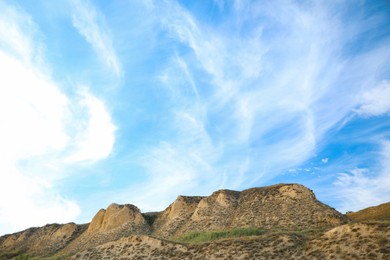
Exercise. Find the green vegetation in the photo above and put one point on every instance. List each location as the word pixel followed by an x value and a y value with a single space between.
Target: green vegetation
pixel 201 237
pixel 9 255
pixel 208 236
pixel 150 217
pixel 17 255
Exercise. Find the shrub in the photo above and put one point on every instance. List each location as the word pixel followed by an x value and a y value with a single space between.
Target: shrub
pixel 200 237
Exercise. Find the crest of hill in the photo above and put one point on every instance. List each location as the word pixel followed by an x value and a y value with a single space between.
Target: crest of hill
pixel 287 206
pixel 282 206
pixel 376 213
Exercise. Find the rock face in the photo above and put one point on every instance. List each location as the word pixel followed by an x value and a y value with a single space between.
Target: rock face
pixel 287 207
pixel 109 225
pixel 116 216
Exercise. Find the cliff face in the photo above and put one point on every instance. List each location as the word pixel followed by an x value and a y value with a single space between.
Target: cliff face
pixel 283 206
pixel 117 216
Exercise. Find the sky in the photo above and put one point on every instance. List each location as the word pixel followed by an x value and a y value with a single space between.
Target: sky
pixel 140 101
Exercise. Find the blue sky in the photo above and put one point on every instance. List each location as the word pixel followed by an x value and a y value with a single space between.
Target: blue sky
pixel 140 101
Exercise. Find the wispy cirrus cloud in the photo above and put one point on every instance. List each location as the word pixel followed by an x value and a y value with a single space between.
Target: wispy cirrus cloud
pixel 92 26
pixel 266 88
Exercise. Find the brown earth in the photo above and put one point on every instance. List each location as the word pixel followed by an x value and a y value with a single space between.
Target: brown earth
pixel 295 224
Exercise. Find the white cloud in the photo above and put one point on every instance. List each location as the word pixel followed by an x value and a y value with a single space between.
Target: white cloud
pixel 325 160
pixel 35 118
pixel 91 24
pixel 31 111
pixel 27 201
pixel 376 101
pixel 96 141
pixel 361 188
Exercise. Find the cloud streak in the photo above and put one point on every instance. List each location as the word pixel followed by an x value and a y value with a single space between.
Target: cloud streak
pixel 92 26
pixel 267 92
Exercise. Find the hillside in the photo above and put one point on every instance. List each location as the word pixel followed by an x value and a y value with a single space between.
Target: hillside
pixel 276 221
pixel 350 241
pixel 376 213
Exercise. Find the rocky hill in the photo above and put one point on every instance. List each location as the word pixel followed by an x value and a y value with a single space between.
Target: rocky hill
pixel 279 206
pixel 278 221
pixel 44 241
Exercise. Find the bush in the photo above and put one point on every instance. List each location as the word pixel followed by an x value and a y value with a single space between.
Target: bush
pixel 200 237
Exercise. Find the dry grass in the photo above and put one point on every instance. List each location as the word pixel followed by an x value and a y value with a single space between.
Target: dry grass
pixel 377 213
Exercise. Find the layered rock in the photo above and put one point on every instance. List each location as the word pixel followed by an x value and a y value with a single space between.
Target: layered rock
pixel 109 225
pixel 213 212
pixel 117 216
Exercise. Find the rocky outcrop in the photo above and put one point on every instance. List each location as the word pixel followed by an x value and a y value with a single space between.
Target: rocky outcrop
pixel 109 225
pixel 116 216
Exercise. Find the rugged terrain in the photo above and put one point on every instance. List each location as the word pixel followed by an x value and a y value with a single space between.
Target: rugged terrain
pixel 280 221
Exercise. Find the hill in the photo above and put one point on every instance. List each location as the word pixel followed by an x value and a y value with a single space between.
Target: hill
pixel 376 213
pixel 278 221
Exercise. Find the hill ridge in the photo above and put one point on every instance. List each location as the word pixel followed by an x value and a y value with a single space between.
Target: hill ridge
pixel 288 207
